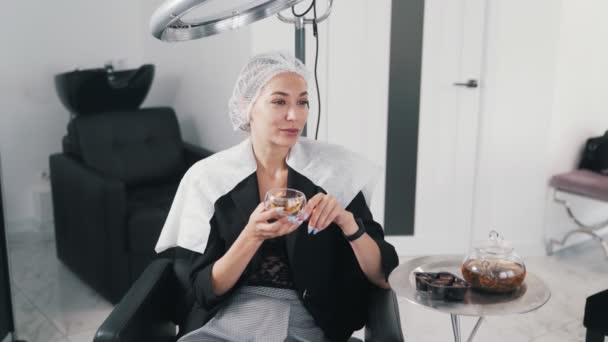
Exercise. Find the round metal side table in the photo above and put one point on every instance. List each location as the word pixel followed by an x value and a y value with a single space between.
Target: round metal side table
pixel 530 296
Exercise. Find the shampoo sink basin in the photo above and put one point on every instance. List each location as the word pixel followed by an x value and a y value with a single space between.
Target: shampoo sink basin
pixel 101 90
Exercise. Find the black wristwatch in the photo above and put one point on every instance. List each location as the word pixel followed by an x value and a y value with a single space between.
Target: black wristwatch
pixel 358 233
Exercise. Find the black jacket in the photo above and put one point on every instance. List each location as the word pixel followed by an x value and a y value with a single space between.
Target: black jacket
pixel 324 268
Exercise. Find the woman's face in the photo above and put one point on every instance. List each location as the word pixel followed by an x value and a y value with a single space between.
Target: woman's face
pixel 280 112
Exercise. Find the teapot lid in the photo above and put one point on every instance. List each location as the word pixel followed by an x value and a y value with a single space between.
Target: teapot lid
pixel 495 245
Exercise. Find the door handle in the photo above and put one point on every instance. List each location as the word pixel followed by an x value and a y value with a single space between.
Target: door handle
pixel 469 84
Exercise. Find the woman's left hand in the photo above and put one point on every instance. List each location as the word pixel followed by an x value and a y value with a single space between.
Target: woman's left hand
pixel 323 209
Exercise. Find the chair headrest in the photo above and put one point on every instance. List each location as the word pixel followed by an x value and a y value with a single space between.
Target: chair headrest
pixel 137 147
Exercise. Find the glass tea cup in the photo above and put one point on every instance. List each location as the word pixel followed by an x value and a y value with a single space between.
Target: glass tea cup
pixel 290 201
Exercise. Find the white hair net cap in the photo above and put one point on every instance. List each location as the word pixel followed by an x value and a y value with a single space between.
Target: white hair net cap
pixel 253 77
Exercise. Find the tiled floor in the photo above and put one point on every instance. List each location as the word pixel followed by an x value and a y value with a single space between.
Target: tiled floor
pixel 51 304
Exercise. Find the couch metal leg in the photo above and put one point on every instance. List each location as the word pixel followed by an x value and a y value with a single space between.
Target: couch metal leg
pixel 594 235
pixel 456 327
pixel 583 228
pixel 594 226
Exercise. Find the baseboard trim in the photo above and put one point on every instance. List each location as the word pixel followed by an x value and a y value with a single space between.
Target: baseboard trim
pixel 28 224
pixel 408 246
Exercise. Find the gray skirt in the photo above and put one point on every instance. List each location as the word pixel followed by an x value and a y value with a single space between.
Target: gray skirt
pixel 255 313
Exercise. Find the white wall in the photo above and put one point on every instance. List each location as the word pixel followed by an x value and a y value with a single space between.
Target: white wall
pixel 196 78
pixel 358 79
pixel 39 40
pixel 580 107
pixel 543 97
pixel 517 98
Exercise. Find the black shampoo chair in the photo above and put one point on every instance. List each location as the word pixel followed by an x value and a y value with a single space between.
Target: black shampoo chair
pixel 112 188
pixel 160 300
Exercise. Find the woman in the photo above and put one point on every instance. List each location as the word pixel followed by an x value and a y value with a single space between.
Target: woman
pixel 266 277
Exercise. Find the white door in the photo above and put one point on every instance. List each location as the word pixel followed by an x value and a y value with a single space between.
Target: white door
pixel 356 87
pixel 448 128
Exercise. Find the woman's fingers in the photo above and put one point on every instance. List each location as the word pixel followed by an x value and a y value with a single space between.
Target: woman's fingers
pixel 282 225
pixel 326 211
pixel 321 210
pixel 269 214
pixel 312 203
pixel 331 216
pixel 289 228
pixel 278 228
pixel 318 211
pixel 272 226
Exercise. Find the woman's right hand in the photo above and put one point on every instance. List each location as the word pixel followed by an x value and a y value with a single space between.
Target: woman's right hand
pixel 259 229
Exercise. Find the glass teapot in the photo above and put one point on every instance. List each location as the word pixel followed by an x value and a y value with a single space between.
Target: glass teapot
pixel 492 266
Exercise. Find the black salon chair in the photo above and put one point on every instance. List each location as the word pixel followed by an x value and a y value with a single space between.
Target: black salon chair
pixel 160 301
pixel 112 188
pixel 596 311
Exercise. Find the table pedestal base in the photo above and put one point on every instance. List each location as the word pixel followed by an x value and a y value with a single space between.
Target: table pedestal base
pixel 456 328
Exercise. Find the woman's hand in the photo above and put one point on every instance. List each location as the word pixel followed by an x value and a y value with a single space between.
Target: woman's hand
pixel 323 210
pixel 259 229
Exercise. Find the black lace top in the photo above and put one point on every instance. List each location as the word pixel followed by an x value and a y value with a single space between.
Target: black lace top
pixel 273 270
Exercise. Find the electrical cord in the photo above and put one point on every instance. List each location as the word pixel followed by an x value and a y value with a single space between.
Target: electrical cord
pixel 316 34
pixel 293 10
pixel 313 7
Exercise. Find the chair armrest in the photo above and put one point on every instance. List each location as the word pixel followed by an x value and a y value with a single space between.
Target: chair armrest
pixel 193 153
pixel 89 211
pixel 144 313
pixel 79 190
pixel 595 312
pixel 383 321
